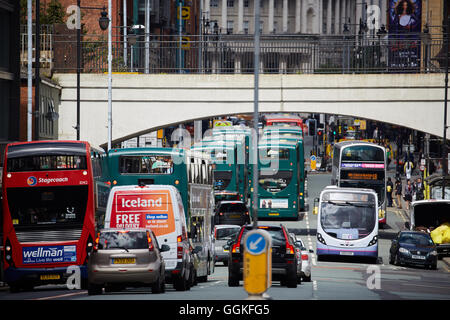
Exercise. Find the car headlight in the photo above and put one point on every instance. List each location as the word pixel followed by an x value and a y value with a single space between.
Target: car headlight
pixel 403 250
pixel 433 253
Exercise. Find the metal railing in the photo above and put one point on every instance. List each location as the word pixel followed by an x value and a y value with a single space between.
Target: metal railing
pixel 280 54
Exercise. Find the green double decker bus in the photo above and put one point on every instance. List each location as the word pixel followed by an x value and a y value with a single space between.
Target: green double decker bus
pixel 190 171
pixel 229 162
pixel 281 188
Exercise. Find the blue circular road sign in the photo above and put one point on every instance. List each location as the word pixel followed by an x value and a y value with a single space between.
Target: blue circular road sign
pixel 255 243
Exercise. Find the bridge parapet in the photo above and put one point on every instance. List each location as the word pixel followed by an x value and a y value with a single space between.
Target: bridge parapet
pixel 146 102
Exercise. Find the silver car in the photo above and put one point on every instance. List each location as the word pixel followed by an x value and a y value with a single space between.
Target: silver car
pixel 305 255
pixel 126 257
pixel 223 233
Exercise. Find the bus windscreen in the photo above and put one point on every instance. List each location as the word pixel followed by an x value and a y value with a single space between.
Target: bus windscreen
pixel 362 153
pixel 46 163
pixel 47 206
pixel 347 220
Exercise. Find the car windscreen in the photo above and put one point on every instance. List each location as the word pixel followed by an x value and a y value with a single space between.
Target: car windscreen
pixel 226 233
pixel 417 239
pixel 347 220
pixel 123 240
pixel 39 207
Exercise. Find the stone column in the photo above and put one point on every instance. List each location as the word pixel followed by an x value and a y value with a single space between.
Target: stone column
pixel 285 16
pixel 207 9
pixel 358 15
pixel 271 15
pixel 298 13
pixel 337 7
pixel 383 8
pixel 224 16
pixel 303 17
pixel 329 10
pixel 320 17
pixel 240 16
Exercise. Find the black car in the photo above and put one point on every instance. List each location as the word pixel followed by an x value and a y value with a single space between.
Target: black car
pixel 413 248
pixel 284 259
pixel 232 212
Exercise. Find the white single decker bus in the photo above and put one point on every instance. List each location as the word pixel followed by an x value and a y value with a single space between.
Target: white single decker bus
pixel 347 223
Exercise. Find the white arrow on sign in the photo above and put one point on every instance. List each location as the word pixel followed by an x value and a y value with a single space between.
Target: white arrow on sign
pixel 254 245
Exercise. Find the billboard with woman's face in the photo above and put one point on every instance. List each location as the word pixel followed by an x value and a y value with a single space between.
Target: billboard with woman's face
pixel 405 25
pixel 405 16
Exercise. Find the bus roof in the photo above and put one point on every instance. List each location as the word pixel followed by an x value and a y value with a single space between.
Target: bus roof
pixel 356 142
pixel 282 116
pixel 46 147
pixel 277 143
pixel 147 150
pixel 347 190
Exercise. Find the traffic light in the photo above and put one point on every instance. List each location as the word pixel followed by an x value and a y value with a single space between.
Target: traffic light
pixel 319 132
pixel 312 127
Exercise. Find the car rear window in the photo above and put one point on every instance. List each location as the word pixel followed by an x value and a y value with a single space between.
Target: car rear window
pixel 226 233
pixel 233 207
pixel 123 240
pixel 277 235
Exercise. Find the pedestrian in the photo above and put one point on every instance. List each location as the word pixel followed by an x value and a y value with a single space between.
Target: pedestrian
pixel 388 155
pixel 375 134
pixel 408 169
pixel 408 193
pixel 398 192
pixel 419 189
pixel 389 190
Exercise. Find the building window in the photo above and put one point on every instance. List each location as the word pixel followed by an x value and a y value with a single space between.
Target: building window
pixel 261 27
pixel 275 26
pixel 246 27
pixel 230 3
pixel 245 3
pixel 230 26
pixel 214 3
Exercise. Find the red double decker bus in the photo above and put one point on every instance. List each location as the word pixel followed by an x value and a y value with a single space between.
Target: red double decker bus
pixel 50 197
pixel 284 120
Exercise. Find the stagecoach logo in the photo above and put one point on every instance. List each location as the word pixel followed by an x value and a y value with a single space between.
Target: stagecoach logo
pixel 49 254
pixel 32 181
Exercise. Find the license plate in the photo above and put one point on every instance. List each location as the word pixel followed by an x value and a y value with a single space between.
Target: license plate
pixel 124 260
pixel 235 216
pixel 225 250
pixel 50 277
pixel 346 253
pixel 418 257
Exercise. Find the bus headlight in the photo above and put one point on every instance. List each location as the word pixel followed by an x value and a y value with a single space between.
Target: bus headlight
pixel 373 241
pixel 320 239
pixel 8 252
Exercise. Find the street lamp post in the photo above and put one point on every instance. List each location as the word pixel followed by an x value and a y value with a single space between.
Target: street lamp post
pixel 103 22
pixel 256 115
pixel 444 139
